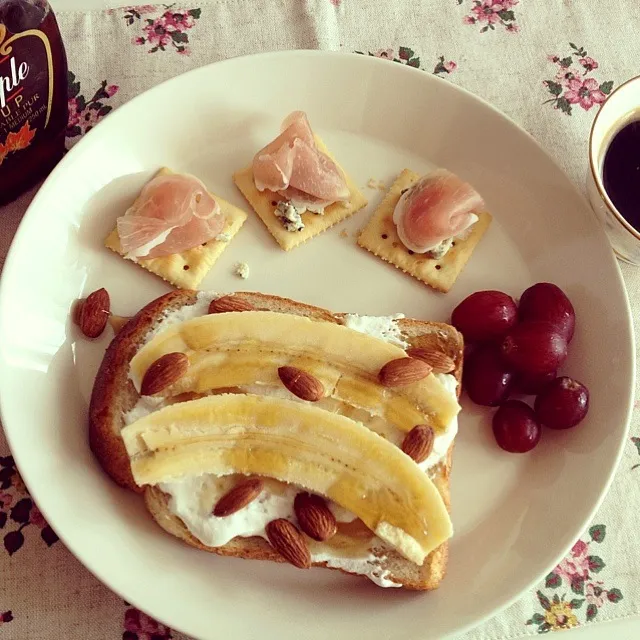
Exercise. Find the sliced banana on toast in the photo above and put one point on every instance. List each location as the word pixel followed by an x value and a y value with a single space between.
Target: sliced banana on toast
pixel 321 452
pixel 345 350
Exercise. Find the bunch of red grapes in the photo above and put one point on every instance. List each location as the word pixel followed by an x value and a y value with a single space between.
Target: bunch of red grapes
pixel 518 349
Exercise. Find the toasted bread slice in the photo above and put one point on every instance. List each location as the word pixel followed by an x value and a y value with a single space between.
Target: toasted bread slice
pixel 114 395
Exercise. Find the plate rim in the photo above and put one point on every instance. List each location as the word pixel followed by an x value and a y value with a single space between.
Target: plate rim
pixel 365 60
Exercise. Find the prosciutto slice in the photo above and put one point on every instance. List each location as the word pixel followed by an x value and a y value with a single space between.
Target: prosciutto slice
pixel 294 167
pixel 438 207
pixel 173 213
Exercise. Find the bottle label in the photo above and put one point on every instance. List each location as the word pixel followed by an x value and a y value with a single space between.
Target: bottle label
pixel 26 88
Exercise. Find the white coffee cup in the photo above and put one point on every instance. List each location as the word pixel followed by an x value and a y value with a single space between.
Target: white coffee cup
pixel 619 109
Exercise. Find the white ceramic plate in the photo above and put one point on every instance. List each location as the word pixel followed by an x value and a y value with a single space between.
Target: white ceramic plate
pixel 514 516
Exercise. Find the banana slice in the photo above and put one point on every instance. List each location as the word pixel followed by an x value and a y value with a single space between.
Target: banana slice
pixel 300 444
pixel 211 370
pixel 240 368
pixel 343 349
pixel 379 425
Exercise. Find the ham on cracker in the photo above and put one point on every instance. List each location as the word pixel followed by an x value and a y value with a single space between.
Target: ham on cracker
pixel 296 186
pixel 176 229
pixel 440 271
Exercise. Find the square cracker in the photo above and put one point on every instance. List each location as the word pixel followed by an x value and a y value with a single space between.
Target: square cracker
pixel 187 269
pixel 261 201
pixel 381 238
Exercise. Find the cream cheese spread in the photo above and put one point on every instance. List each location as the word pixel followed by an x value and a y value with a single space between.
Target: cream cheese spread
pixel 145 249
pixel 383 327
pixel 314 207
pixel 187 312
pixel 192 499
pixel 224 236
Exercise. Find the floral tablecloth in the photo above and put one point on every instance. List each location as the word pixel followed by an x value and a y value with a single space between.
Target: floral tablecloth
pixel 548 65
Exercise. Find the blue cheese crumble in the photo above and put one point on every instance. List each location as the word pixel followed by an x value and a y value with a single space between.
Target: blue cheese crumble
pixel 289 216
pixel 441 249
pixel 241 269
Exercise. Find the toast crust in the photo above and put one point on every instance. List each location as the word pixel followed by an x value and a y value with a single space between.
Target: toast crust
pixel 114 394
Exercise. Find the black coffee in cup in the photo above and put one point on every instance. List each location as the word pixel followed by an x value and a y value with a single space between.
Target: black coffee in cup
pixel 621 172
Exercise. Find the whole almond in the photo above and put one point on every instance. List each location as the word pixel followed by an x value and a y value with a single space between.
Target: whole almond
pixel 226 304
pixel 439 360
pixel 403 371
pixel 164 372
pixel 287 540
pixel 238 497
pixel 94 313
pixel 314 516
pixel 418 443
pixel 301 383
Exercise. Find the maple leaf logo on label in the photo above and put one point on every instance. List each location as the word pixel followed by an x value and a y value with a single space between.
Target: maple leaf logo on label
pixel 20 140
pixel 17 140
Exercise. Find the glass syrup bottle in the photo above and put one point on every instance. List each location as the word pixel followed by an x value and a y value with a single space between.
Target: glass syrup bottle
pixel 33 95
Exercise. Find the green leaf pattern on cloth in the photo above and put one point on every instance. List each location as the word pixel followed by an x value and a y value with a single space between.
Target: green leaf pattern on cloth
pixel 85 114
pixel 573 84
pixel 636 442
pixel 576 571
pixel 489 14
pixel 406 55
pixel 165 26
pixel 18 514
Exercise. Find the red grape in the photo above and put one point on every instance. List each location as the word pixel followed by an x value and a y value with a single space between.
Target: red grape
pixel 487 379
pixel 485 315
pixel 531 384
pixel 562 404
pixel 534 348
pixel 515 427
pixel 546 301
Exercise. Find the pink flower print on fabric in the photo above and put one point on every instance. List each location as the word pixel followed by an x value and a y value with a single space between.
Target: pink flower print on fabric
pixel 139 626
pixel 586 93
pixel 573 84
pixel 576 563
pixel 85 113
pixel 6 500
pixel 492 13
pixel 167 30
pixel 572 584
pixel 595 594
